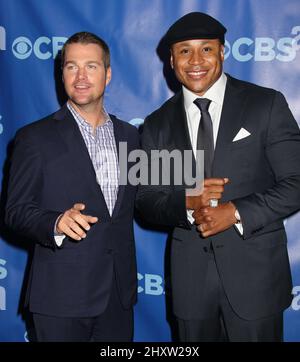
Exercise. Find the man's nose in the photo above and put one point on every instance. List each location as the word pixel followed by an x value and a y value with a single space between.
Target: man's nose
pixel 81 73
pixel 196 58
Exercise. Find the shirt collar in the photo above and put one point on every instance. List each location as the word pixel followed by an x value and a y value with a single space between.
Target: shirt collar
pixel 83 123
pixel 215 93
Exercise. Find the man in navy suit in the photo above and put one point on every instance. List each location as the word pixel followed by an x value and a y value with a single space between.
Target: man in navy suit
pixel 65 195
pixel 230 271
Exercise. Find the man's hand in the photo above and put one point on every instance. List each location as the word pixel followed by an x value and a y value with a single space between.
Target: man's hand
pixel 73 223
pixel 213 220
pixel 212 189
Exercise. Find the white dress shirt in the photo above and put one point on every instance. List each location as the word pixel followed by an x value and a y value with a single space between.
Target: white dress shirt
pixel 216 95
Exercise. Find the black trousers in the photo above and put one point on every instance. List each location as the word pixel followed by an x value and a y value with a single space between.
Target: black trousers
pixel 221 324
pixel 114 325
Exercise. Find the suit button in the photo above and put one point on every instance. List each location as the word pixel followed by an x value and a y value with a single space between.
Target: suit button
pixel 205 249
pixel 109 251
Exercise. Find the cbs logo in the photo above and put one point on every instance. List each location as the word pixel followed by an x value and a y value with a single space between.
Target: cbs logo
pixel 264 49
pixel 150 284
pixel 43 47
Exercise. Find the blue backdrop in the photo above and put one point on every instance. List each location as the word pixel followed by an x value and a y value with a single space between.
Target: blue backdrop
pixel 262 46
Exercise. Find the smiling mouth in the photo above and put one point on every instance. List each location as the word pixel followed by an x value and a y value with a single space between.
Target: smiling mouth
pixel 199 74
pixel 81 87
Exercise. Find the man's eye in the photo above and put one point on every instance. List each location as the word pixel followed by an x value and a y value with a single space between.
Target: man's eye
pixel 71 67
pixel 184 51
pixel 91 66
pixel 207 49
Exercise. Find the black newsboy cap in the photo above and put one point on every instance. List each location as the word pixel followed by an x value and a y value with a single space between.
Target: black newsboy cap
pixel 195 25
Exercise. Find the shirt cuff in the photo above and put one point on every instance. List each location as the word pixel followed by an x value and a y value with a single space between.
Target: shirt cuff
pixel 58 238
pixel 189 216
pixel 239 225
pixel 239 228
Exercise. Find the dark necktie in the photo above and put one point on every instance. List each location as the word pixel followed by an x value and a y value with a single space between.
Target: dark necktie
pixel 205 137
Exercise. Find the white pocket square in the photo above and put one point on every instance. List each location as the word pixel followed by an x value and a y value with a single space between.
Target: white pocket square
pixel 242 133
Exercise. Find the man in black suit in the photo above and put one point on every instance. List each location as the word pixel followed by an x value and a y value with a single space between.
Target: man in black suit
pixel 230 271
pixel 65 195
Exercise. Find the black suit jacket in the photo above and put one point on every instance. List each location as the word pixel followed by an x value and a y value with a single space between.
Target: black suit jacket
pixel 50 171
pixel 264 173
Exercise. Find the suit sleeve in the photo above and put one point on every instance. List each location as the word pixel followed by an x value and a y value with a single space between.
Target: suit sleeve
pixel 23 212
pixel 159 204
pixel 282 150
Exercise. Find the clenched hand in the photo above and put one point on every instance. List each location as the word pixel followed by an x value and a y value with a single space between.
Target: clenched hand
pixel 213 220
pixel 212 189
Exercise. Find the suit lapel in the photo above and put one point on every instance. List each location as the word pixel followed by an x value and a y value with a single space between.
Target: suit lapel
pixel 180 136
pixel 230 122
pixel 179 125
pixel 79 158
pixel 119 137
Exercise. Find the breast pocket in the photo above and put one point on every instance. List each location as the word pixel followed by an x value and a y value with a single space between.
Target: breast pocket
pixel 247 141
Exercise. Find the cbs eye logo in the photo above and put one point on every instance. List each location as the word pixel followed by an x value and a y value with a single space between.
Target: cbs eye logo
pixel 22 47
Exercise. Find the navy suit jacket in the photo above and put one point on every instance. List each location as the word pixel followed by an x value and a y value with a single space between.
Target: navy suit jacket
pixel 264 173
pixel 50 171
